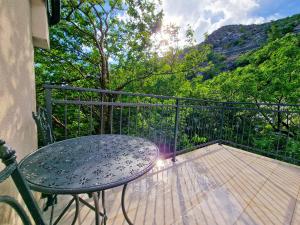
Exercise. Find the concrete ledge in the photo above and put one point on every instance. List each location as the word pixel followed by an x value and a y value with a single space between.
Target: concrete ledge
pixel 39 24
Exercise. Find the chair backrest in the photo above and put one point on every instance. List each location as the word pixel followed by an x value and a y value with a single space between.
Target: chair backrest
pixel 8 157
pixel 44 128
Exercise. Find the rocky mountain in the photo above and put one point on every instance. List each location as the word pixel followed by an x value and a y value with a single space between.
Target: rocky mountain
pixel 233 40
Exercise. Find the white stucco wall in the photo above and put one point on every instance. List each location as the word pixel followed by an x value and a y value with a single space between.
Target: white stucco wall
pixel 17 82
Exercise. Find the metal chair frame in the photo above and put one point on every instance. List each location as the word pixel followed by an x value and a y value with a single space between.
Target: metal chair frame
pixel 8 157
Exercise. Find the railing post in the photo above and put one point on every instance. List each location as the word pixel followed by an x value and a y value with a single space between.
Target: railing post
pixel 222 123
pixel 176 129
pixel 48 96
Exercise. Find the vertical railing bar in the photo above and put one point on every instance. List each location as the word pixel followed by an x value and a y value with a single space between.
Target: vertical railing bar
pixel 200 122
pixel 298 135
pixel 91 117
pixel 196 122
pixel 243 129
pixel 204 123
pixel 121 118
pixel 167 143
pixel 288 134
pixel 237 129
pixel 249 133
pixel 189 115
pixel 211 124
pixel 207 124
pixel 205 129
pixel 102 114
pixel 161 119
pixel 143 116
pixel 200 130
pixel 66 118
pixel 269 147
pixel 193 129
pixel 128 124
pixel 149 124
pixel 278 135
pixel 136 119
pixel 111 118
pixel 171 111
pixel 176 129
pixel 216 125
pixel 156 130
pixel 226 122
pixel 48 97
pixel 211 132
pixel 162 129
pixel 186 119
pixel 79 116
pixel 157 125
pixel 231 119
pixel 232 125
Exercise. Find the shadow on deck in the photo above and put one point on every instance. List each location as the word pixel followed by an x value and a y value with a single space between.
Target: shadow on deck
pixel 216 184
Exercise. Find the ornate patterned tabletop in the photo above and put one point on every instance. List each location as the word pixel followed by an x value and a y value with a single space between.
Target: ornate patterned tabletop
pixel 88 164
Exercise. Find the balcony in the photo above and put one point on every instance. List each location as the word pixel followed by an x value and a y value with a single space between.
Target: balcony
pixel 229 157
pixel 217 184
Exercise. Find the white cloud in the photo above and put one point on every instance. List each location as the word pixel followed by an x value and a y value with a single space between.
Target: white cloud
pixel 208 15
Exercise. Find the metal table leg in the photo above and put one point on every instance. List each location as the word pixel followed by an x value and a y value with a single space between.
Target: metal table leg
pixel 76 199
pixel 96 208
pixel 96 196
pixel 123 205
pixel 104 210
pixel 96 203
pixel 76 210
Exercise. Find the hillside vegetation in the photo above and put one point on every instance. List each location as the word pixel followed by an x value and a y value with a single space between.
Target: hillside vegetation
pixel 92 47
pixel 270 74
pixel 234 40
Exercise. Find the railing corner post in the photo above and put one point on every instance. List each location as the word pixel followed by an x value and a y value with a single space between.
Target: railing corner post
pixel 176 129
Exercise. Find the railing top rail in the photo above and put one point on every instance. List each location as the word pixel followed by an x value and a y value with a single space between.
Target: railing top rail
pixel 120 104
pixel 261 104
pixel 79 89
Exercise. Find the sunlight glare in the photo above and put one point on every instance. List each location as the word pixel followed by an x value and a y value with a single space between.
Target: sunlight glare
pixel 160 163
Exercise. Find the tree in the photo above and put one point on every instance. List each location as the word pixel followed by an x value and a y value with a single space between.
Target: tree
pixel 270 74
pixel 96 36
pixel 176 67
pixel 95 42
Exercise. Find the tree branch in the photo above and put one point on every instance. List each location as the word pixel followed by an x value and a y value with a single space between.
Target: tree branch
pixel 74 8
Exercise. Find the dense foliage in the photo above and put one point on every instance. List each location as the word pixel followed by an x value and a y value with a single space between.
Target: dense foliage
pixel 270 74
pixel 110 45
pixel 95 38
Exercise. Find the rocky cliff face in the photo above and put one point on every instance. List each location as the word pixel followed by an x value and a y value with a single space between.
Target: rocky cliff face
pixel 233 40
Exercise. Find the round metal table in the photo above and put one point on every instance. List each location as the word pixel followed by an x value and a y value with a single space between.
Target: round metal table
pixel 89 164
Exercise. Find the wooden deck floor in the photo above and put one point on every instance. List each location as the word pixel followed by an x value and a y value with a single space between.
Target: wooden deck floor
pixel 217 184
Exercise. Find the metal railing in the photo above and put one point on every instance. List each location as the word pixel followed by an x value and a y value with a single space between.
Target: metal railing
pixel 176 124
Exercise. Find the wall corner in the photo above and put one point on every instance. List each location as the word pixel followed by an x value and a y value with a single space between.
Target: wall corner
pixel 39 24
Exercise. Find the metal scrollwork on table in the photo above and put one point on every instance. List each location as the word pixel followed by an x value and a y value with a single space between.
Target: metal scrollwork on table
pixel 87 164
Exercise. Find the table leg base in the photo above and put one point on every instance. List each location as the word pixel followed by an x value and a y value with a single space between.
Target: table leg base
pixel 79 200
pixel 96 208
pixel 123 205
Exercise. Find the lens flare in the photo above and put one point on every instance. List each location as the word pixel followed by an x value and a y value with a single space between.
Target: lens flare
pixel 160 163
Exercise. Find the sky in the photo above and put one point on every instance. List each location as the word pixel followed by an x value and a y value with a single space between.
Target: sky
pixel 208 15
